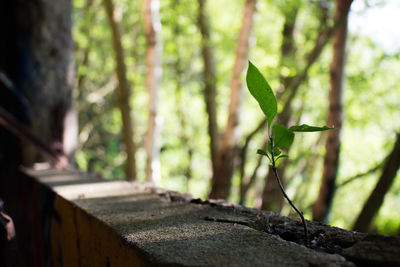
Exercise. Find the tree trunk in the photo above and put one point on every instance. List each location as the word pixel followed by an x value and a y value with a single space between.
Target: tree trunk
pixel 288 47
pixel 210 81
pixel 180 102
pixel 377 196
pixel 246 182
pixel 84 62
pixel 123 91
pixel 272 196
pixel 222 175
pixel 152 27
pixel 322 205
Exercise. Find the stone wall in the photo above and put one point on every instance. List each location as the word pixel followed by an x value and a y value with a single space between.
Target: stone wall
pixel 70 218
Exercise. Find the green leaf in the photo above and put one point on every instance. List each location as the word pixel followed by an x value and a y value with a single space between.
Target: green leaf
pixel 282 156
pixel 308 128
pixel 277 151
pixel 262 92
pixel 283 137
pixel 262 152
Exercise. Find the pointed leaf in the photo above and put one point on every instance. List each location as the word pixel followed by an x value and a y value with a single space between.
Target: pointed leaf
pixel 262 92
pixel 262 152
pixel 282 156
pixel 277 151
pixel 283 137
pixel 308 128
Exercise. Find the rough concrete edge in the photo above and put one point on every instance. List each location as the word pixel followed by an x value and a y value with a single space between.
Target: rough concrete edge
pixel 146 258
pixel 354 243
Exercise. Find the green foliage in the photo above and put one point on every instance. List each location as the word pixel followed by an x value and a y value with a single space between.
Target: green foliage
pixel 281 137
pixel 307 128
pixel 262 92
pixel 262 152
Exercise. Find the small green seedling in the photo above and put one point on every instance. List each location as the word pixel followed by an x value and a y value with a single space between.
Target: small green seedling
pixel 279 136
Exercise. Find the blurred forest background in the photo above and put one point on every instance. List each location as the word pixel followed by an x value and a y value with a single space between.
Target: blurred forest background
pixel 161 96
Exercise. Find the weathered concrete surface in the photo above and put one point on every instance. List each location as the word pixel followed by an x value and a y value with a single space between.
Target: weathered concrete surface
pixel 117 223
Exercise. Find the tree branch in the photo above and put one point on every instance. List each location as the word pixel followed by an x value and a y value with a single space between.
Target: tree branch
pixel 360 175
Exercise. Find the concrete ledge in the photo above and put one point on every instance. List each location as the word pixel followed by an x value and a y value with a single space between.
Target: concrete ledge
pixel 89 222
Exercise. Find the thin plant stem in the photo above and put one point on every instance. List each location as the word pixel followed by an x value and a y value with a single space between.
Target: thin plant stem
pixel 306 236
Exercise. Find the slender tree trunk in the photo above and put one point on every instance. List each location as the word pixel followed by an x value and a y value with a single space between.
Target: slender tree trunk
pixel 272 198
pixel 123 91
pixel 152 27
pixel 377 196
pixel 210 81
pixel 85 29
pixel 331 161
pixel 222 175
pixel 246 182
pixel 288 47
pixel 180 103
